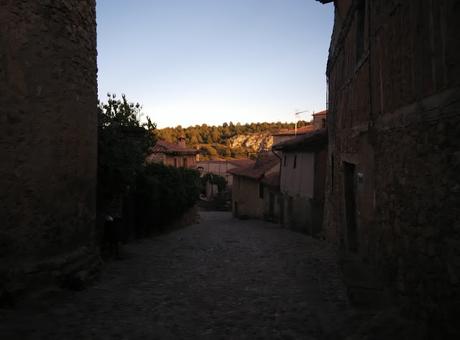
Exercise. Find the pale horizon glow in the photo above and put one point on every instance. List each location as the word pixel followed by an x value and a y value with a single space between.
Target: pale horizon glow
pixel 215 61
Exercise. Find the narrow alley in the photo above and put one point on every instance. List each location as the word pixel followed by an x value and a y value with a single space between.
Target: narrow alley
pixel 221 278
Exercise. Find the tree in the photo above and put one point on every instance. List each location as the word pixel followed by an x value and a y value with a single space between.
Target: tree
pixel 215 135
pixel 123 142
pixel 164 193
pixel 218 180
pixel 219 136
pixel 208 150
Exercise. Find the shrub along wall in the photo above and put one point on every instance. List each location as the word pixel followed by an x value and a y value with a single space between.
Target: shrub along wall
pixel 161 195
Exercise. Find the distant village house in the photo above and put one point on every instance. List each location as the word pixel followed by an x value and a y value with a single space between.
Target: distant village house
pixel 221 167
pixel 177 155
pixel 248 191
pixel 288 134
pixel 287 185
pixel 318 122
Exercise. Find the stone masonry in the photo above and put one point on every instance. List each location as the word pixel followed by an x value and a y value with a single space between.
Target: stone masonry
pixel 48 129
pixel 394 124
pixel 221 279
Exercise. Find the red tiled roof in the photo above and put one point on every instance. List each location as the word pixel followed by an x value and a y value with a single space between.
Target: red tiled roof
pixel 164 147
pixel 300 131
pixel 242 162
pixel 324 112
pixel 236 162
pixel 258 170
pixel 211 161
pixel 272 180
pixel 239 163
pixel 310 141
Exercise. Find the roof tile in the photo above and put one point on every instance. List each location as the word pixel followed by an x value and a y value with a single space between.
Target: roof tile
pixel 258 170
pixel 164 147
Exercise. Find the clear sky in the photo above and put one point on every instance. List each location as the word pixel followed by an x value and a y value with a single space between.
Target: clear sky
pixel 212 61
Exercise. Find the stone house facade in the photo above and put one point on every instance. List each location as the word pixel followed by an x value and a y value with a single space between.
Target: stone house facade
pixel 48 143
pixel 392 192
pixel 222 166
pixel 176 155
pixel 302 180
pixel 319 120
pixel 273 209
pixel 282 136
pixel 248 190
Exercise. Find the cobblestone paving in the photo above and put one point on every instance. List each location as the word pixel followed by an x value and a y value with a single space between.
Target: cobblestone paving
pixel 220 279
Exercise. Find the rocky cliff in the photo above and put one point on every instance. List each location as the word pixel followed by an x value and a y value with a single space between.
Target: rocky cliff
pixel 254 142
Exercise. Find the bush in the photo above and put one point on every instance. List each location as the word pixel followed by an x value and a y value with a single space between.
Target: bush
pixel 163 193
pixel 220 181
pixel 147 197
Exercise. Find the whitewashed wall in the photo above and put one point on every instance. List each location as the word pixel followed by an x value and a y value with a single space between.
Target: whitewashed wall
pixel 298 181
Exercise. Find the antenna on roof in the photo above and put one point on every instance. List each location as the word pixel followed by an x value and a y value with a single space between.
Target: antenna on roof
pixel 297 114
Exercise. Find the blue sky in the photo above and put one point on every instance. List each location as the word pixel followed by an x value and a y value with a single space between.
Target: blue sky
pixel 212 61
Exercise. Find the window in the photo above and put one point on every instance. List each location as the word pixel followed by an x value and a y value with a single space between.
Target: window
pixel 175 162
pixel 261 190
pixel 184 162
pixel 360 13
pixel 295 161
pixel 285 160
pixel 323 123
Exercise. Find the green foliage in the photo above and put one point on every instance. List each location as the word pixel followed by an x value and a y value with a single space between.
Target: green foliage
pixel 123 142
pixel 220 181
pixel 213 140
pixel 163 193
pixel 152 194
pixel 208 150
pixel 238 153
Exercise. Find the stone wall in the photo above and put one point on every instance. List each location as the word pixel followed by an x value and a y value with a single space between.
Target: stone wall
pixel 394 117
pixel 48 138
pixel 246 202
pixel 418 211
pixel 298 213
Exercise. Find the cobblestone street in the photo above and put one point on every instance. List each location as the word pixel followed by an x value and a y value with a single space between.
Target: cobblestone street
pixel 221 278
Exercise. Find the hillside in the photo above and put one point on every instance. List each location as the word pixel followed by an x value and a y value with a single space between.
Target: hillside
pixel 253 142
pixel 227 140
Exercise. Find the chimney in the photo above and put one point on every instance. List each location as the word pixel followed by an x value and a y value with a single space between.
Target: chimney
pixel 181 141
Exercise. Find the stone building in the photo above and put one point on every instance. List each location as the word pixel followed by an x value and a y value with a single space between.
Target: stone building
pixel 392 196
pixel 302 179
pixel 285 135
pixel 248 187
pixel 176 155
pixel 48 146
pixel 273 206
pixel 222 166
pixel 319 120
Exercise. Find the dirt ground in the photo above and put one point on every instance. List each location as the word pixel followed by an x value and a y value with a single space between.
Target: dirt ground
pixel 220 279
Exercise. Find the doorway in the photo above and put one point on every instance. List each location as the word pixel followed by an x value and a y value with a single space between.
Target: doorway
pixel 271 205
pixel 281 208
pixel 350 206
